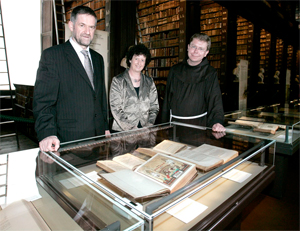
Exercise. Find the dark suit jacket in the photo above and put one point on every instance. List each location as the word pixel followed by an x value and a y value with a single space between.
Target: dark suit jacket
pixel 64 102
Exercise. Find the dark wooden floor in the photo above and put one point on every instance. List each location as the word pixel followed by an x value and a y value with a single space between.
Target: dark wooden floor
pixel 9 144
pixel 269 213
pixel 264 213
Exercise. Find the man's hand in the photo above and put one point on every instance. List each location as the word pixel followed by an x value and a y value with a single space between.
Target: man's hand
pixel 50 143
pixel 218 128
pixel 107 134
pixel 218 131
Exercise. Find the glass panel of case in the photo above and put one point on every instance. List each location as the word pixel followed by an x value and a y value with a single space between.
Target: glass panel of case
pixel 71 174
pixel 282 127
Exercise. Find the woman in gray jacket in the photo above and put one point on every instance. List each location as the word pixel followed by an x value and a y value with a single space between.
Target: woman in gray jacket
pixel 133 95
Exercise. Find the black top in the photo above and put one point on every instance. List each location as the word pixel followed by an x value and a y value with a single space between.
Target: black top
pixel 191 91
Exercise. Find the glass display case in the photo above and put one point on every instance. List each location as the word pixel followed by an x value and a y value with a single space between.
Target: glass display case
pixel 261 122
pixel 209 199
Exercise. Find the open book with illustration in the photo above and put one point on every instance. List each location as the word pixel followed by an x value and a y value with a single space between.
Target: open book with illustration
pixel 126 161
pixel 205 157
pixel 160 175
pixel 257 124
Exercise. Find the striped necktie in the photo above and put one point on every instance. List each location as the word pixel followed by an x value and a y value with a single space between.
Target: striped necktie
pixel 88 66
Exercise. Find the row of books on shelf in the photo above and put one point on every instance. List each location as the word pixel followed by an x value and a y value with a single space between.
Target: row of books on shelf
pixel 168 62
pixel 211 15
pixel 265 45
pixel 214 56
pixel 244 36
pixel 243 32
pixel 171 166
pixel 163 35
pixel 211 26
pixel 100 13
pixel 211 32
pixel 241 47
pixel 99 3
pixel 168 51
pixel 168 26
pixel 215 63
pixel 264 64
pixel 244 25
pixel 162 43
pixel 241 52
pixel 245 28
pixel 262 41
pixel 264 48
pixel 211 20
pixel 157 22
pixel 243 41
pixel 215 50
pixel 160 15
pixel 155 8
pixel 216 39
pixel 147 3
pixel 101 25
pixel 263 56
pixel 210 9
pixel 157 73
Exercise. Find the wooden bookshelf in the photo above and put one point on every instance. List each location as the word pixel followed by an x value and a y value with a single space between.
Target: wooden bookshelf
pixel 279 55
pixel 289 56
pixel 244 40
pixel 213 22
pixel 158 29
pixel 265 45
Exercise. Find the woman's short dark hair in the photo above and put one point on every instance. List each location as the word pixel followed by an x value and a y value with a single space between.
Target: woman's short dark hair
pixel 82 10
pixel 139 49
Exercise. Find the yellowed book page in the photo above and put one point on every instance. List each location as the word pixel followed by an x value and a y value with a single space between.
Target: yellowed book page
pixel 128 160
pixel 222 153
pixel 169 147
pixel 110 165
pixel 269 128
pixel 134 184
pixel 147 151
pixel 202 161
pixel 248 123
pixel 166 170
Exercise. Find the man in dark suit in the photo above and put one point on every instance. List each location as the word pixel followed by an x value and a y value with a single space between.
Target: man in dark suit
pixel 68 103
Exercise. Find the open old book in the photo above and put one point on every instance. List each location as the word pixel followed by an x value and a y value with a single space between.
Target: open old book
pixel 168 147
pixel 205 157
pixel 258 124
pixel 126 161
pixel 160 175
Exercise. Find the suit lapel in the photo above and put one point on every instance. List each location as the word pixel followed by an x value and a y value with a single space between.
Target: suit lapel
pixel 75 61
pixel 97 71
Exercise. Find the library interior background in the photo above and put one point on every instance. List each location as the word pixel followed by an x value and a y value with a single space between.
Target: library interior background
pixel 255 50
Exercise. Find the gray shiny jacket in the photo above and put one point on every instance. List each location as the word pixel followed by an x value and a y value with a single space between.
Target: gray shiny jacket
pixel 127 108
